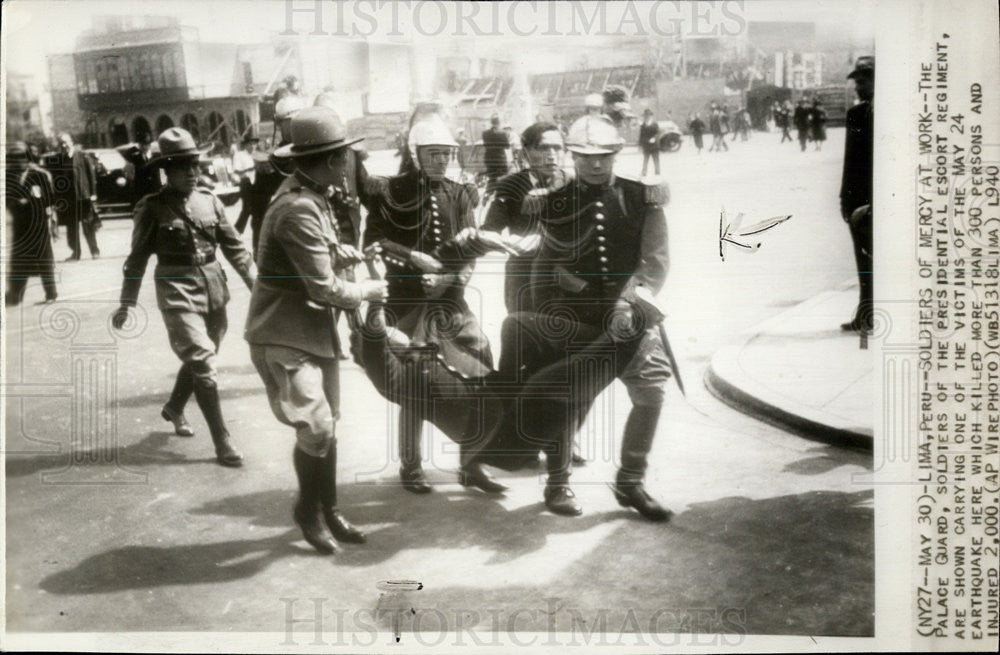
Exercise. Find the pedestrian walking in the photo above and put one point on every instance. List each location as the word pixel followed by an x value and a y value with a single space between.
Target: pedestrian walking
pixel 719 129
pixel 603 237
pixel 33 225
pixel 245 169
pixel 817 123
pixel 801 120
pixel 411 218
pixel 649 141
pixel 856 188
pixel 291 326
pixel 785 116
pixel 75 182
pixel 697 129
pixel 183 224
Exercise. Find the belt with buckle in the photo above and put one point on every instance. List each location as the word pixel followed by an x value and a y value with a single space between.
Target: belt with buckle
pixel 198 259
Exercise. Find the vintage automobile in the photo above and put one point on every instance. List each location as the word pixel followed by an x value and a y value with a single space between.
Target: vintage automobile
pixel 114 196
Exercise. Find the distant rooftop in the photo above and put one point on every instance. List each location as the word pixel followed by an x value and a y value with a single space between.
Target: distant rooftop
pixel 129 31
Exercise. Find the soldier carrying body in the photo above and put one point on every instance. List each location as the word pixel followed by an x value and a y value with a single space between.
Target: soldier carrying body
pixel 604 236
pixel 291 324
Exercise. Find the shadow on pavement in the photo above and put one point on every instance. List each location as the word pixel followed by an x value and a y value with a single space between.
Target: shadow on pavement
pixel 158 399
pixel 139 567
pixel 792 565
pixel 151 451
pixel 795 564
pixel 442 519
pixel 827 458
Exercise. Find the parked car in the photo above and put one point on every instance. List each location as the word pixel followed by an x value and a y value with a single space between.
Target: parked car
pixel 114 197
pixel 114 193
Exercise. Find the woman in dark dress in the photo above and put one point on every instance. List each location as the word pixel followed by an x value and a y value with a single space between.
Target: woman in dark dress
pixel 697 129
pixel 413 219
pixel 817 123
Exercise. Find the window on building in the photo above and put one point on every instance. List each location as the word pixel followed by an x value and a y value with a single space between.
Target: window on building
pixel 145 71
pixel 163 123
pixel 190 123
pixel 81 78
pixel 179 67
pixel 169 73
pixel 112 73
pixel 157 66
pixel 91 77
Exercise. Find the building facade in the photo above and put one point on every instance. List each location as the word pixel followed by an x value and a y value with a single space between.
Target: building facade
pixel 136 77
pixel 23 113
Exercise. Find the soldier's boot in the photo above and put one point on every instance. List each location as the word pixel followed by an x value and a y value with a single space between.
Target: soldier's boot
pixel 559 498
pixel 411 471
pixel 640 428
pixel 310 472
pixel 472 474
pixel 173 411
pixel 340 527
pixel 207 396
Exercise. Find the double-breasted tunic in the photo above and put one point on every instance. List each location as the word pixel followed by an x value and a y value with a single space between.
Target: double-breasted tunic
pixel 411 212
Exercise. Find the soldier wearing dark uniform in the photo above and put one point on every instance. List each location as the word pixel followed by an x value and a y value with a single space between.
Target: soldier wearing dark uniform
pixel 182 224
pixel 290 323
pixel 603 237
pixel 856 187
pixel 412 218
pixel 495 147
pixel 519 201
pixel 29 202
pixel 270 171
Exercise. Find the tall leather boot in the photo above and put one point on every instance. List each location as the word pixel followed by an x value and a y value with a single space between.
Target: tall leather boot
pixel 640 428
pixel 340 527
pixel 310 472
pixel 559 498
pixel 411 471
pixel 173 411
pixel 208 400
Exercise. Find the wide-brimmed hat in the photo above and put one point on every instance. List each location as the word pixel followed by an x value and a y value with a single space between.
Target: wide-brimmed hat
pixel 316 130
pixel 176 144
pixel 594 135
pixel 863 67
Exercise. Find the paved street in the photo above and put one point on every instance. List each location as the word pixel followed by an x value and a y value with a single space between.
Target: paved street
pixel 114 523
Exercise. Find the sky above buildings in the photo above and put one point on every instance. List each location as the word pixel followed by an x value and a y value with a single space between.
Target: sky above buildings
pixel 34 28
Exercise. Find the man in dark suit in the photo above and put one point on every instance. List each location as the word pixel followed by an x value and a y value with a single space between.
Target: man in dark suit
pixel 495 146
pixel 75 184
pixel 856 187
pixel 649 132
pixel 29 205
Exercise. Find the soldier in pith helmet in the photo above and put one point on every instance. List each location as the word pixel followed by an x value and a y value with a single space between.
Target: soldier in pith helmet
pixel 604 239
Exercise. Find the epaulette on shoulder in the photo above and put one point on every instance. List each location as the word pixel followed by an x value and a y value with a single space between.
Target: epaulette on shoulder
pixel 654 189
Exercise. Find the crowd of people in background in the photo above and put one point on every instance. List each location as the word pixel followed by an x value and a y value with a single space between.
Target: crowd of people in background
pixel 807 117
